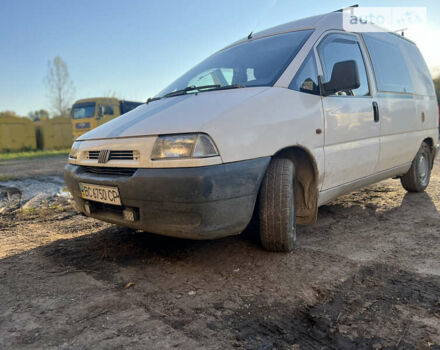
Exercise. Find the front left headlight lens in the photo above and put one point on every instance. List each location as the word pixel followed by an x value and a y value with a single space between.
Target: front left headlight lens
pixel 183 146
pixel 73 154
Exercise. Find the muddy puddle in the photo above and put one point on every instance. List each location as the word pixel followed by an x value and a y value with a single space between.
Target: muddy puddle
pixel 30 192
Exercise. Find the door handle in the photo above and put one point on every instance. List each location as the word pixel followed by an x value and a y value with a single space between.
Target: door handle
pixel 376 112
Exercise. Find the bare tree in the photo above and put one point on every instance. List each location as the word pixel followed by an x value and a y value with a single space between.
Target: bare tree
pixel 110 93
pixel 59 85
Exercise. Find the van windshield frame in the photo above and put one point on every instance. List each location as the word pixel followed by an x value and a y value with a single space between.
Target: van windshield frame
pixel 257 62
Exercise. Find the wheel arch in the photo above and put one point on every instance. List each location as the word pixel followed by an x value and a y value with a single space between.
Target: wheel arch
pixel 307 178
pixel 430 142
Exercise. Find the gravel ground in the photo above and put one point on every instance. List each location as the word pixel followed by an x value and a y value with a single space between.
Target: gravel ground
pixel 366 276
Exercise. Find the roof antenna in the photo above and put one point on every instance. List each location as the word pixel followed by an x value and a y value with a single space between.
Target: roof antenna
pixel 402 31
pixel 346 8
pixel 272 4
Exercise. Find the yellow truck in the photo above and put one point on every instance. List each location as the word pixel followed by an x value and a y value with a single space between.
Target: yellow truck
pixel 88 113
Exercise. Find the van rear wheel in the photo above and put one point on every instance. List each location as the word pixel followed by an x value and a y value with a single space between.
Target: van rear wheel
pixel 417 177
pixel 277 206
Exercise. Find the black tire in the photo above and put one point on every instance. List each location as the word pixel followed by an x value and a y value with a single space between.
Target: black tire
pixel 277 207
pixel 417 177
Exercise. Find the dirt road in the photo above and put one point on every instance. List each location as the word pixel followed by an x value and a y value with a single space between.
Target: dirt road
pixel 32 167
pixel 366 276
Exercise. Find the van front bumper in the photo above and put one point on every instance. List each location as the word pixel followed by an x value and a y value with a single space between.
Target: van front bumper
pixel 197 203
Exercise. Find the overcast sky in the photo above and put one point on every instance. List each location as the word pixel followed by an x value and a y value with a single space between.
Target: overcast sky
pixel 135 48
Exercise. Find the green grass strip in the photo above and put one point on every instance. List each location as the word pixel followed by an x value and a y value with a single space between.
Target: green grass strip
pixel 32 154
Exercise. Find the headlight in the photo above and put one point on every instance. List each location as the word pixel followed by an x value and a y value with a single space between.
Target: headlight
pixel 74 151
pixel 183 146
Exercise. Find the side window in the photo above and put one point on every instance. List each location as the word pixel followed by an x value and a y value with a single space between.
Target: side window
pixel 306 79
pixel 421 77
pixel 339 48
pixel 108 110
pixel 392 74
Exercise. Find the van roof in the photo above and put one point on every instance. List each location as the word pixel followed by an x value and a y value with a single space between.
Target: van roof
pixel 328 21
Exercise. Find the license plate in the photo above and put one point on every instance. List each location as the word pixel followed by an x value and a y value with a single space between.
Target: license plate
pixel 103 194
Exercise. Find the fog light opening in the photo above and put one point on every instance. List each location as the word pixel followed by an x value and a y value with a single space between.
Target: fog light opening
pixel 87 208
pixel 129 214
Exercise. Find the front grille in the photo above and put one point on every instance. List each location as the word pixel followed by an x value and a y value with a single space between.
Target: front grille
pixel 109 171
pixel 93 155
pixel 126 155
pixel 114 155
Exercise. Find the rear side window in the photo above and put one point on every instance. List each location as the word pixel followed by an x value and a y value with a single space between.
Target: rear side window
pixel 390 68
pixel 306 80
pixel 339 48
pixel 422 81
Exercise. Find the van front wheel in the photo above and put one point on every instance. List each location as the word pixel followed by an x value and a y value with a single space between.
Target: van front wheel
pixel 417 177
pixel 277 206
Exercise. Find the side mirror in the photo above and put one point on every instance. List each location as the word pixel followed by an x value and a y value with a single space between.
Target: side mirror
pixel 101 111
pixel 345 76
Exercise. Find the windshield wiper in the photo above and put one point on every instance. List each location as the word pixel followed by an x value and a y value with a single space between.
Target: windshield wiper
pixel 151 99
pixel 226 87
pixel 184 91
pixel 191 88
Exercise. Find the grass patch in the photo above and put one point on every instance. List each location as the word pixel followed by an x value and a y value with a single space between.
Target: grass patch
pixel 46 209
pixel 7 177
pixel 32 154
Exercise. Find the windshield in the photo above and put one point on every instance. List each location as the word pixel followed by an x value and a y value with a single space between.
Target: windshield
pixel 83 110
pixel 257 62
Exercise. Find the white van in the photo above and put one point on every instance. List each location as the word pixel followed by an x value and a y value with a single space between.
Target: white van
pixel 275 124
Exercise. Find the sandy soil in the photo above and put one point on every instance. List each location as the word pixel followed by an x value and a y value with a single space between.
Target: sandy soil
pixel 367 276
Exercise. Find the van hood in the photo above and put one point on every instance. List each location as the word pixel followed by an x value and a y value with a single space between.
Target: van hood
pixel 180 114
